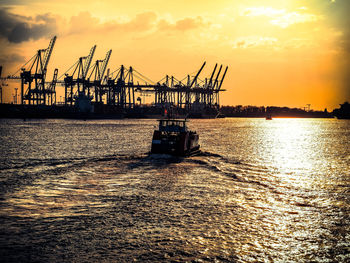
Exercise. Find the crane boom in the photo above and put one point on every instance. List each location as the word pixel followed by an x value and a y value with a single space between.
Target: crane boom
pixel 88 61
pixel 105 80
pixel 54 79
pixel 105 63
pixel 223 76
pixel 195 78
pixel 48 53
pixel 217 76
pixel 212 75
pixel 52 85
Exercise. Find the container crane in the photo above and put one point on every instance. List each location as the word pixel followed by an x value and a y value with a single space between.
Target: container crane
pixel 88 61
pixel 52 87
pixel 97 73
pixel 36 72
pixel 84 79
pixel 188 91
pixel 75 81
pixel 217 91
pixel 222 79
pixel 195 78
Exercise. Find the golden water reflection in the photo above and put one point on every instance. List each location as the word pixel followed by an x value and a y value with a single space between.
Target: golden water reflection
pixel 269 196
pixel 74 194
pixel 296 149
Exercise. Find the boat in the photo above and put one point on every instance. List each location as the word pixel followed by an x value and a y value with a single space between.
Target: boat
pixel 174 138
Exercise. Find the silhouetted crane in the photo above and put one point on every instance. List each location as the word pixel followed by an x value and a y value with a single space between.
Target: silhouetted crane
pixel 35 71
pixel 86 83
pixel 75 81
pixel 96 76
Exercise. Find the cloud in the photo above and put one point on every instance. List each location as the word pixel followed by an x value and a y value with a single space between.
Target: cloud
pixel 11 2
pixel 291 18
pixel 11 58
pixel 338 12
pixel 143 22
pixel 335 19
pixel 335 15
pixel 17 29
pixel 82 23
pixel 262 11
pixel 85 22
pixel 280 17
pixel 340 19
pixel 182 24
pixel 254 41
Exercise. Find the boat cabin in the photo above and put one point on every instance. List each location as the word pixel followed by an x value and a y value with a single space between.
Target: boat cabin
pixel 174 138
pixel 172 125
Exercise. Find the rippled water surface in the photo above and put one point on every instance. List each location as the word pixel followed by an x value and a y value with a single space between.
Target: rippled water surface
pixel 87 191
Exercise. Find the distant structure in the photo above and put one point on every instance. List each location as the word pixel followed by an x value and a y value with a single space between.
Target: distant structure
pixel 122 88
pixel 343 112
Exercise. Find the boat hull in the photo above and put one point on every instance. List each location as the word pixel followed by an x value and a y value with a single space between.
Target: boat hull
pixel 179 144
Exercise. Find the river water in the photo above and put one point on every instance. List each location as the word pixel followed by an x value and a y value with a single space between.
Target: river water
pixel 260 191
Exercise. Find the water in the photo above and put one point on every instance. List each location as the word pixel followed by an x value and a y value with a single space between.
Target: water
pixel 87 191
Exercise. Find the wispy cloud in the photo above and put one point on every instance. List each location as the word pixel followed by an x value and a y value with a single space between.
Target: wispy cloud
pixel 184 24
pixel 143 22
pixel 281 17
pixel 84 22
pixel 254 41
pixel 11 58
pixel 17 29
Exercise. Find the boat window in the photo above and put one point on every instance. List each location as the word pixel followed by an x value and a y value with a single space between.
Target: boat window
pixel 172 125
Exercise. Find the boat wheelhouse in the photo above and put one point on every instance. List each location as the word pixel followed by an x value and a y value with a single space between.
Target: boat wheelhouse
pixel 173 137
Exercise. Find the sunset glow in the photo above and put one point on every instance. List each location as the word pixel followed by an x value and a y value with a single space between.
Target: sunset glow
pixel 282 53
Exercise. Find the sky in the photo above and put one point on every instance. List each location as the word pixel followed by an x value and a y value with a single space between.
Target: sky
pixel 279 52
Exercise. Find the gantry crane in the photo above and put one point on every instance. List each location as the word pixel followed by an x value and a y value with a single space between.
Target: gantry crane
pixel 75 80
pixel 52 88
pixel 35 71
pixel 167 92
pixel 119 88
pixel 97 76
pixel 218 89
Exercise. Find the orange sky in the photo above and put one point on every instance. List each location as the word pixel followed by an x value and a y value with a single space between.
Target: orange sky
pixel 282 53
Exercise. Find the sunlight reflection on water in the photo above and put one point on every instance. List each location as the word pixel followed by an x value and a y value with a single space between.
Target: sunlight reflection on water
pixel 261 191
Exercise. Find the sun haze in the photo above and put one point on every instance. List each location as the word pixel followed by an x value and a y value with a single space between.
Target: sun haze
pixel 281 53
